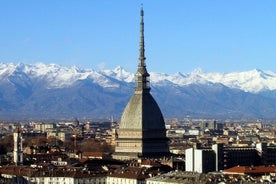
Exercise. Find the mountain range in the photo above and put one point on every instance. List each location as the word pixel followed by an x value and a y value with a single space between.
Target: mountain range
pixel 50 91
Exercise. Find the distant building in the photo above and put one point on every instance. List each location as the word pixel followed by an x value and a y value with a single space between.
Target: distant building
pixel 44 127
pixel 194 132
pixel 211 125
pixel 221 157
pixel 63 136
pixel 18 148
pixel 258 125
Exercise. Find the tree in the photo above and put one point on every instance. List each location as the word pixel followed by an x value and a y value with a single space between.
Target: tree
pixel 92 145
pixel 6 143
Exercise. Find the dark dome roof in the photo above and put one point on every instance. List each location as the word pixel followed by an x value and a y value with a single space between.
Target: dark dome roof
pixel 143 113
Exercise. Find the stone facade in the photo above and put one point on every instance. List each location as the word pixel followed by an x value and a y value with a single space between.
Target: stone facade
pixel 142 131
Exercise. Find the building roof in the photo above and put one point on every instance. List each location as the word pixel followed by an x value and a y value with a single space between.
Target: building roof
pixel 139 173
pixel 71 172
pixel 130 173
pixel 149 163
pixel 142 112
pixel 179 177
pixel 250 170
pixel 94 154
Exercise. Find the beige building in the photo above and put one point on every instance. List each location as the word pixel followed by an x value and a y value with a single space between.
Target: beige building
pixel 142 131
pixel 63 136
pixel 40 175
pixel 44 127
pixel 129 175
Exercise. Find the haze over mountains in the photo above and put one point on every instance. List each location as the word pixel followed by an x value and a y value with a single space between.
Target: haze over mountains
pixel 41 91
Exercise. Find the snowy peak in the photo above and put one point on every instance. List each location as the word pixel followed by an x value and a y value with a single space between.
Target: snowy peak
pixel 53 76
pixel 7 70
pixel 250 81
pixel 56 76
pixel 120 74
pixel 253 81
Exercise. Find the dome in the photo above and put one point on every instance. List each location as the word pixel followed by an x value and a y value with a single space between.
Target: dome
pixel 142 113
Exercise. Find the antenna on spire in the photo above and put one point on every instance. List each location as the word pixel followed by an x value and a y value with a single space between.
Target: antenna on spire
pixel 142 11
pixel 142 45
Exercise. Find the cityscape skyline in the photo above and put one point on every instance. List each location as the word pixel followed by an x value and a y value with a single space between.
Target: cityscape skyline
pixel 142 146
pixel 214 36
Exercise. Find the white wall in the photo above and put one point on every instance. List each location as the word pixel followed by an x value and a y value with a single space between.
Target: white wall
pixel 198 161
pixel 189 154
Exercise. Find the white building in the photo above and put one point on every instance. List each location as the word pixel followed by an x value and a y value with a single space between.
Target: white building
pixel 200 160
pixel 18 149
pixel 194 132
pixel 189 155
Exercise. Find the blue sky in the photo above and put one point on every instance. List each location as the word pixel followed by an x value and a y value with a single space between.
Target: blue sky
pixel 180 35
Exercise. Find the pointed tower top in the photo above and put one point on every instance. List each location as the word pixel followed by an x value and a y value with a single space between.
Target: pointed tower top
pixel 142 76
pixel 17 130
pixel 142 44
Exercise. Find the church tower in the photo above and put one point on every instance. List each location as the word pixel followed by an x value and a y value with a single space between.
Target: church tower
pixel 142 130
pixel 17 150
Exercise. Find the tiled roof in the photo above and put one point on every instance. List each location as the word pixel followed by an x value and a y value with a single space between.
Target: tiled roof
pixel 148 162
pixel 93 154
pixel 250 170
pixel 130 172
pixel 72 172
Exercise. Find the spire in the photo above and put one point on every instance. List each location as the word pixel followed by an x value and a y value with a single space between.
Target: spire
pixel 142 76
pixel 142 43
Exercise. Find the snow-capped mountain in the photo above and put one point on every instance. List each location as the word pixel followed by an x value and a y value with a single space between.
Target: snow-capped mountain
pixel 49 90
pixel 253 81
